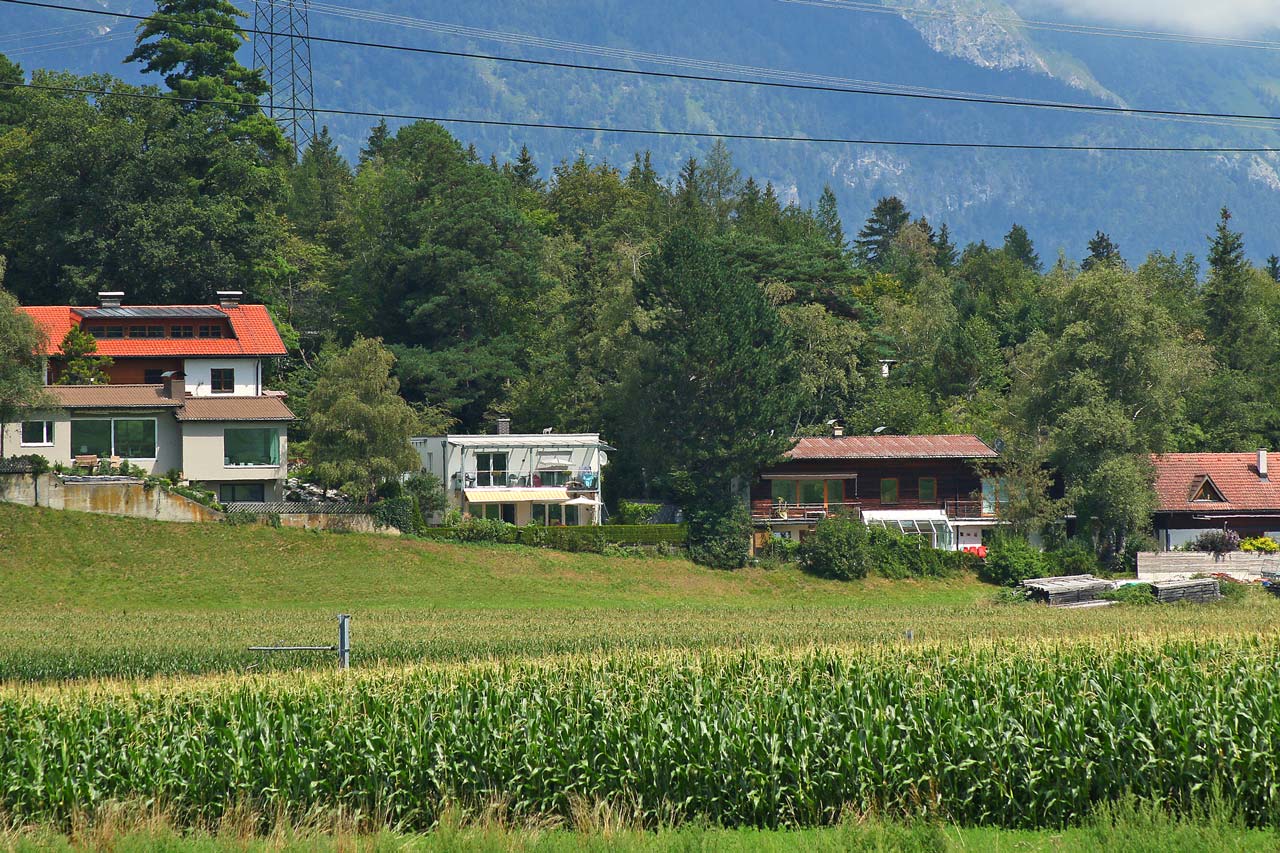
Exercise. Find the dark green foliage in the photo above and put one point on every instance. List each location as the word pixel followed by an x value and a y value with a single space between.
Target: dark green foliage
pixel 80 365
pixel 836 549
pixel 779 550
pixel 1216 542
pixel 1140 594
pixel 1011 560
pixel 719 537
pixel 1102 252
pixel 875 240
pixel 400 513
pixel 1074 558
pixel 895 556
pixel 1232 590
pixel 485 530
pixel 1018 245
pixel 630 512
pixel 21 367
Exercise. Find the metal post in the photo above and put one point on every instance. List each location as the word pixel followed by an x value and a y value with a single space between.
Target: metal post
pixel 344 641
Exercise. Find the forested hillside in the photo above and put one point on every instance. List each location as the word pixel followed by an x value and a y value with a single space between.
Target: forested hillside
pixel 1146 201
pixel 696 322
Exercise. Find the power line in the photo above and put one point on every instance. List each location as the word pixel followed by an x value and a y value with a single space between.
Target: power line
pixel 1056 105
pixel 1051 26
pixel 641 131
pixel 286 60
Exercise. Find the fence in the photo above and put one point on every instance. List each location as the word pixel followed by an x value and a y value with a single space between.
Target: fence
pixel 333 517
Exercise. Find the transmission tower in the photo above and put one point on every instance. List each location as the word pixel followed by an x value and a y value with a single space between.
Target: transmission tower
pixel 282 49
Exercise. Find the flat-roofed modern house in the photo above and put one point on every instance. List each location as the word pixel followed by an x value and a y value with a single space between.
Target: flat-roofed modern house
pixel 929 485
pixel 539 478
pixel 185 391
pixel 1197 492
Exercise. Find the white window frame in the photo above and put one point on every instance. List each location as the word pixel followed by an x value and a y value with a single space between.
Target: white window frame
pixel 155 426
pixel 48 435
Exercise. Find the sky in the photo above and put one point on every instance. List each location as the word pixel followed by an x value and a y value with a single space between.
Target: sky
pixel 1237 18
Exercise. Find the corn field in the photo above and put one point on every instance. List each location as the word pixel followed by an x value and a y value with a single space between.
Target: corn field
pixel 1013 735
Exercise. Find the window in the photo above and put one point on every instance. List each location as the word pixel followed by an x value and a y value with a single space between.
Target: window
pixel 552 478
pixel 91 437
pixel 812 492
pixel 182 331
pixel 210 331
pixel 135 438
pixel 128 438
pixel 152 377
pixel 500 512
pixel 888 490
pixel 552 515
pixel 241 493
pixel 107 332
pixel 222 380
pixel 37 432
pixel 491 469
pixel 571 516
pixel 137 331
pixel 928 490
pixel 784 491
pixel 259 446
pixel 835 492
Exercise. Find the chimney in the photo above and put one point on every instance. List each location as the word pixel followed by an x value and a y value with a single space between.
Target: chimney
pixel 504 426
pixel 110 298
pixel 175 384
pixel 229 298
pixel 1262 463
pixel 837 430
pixel 886 366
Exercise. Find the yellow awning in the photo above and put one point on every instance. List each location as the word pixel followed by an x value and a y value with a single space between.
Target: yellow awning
pixel 545 495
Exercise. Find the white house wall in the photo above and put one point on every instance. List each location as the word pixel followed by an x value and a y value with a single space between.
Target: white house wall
pixel 248 376
pixel 204 459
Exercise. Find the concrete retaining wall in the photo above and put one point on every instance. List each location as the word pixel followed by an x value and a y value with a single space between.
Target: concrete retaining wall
pixel 109 498
pixel 1171 565
pixel 340 523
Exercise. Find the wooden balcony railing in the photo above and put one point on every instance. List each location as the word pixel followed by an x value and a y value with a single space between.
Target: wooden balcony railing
pixel 768 511
pixel 970 509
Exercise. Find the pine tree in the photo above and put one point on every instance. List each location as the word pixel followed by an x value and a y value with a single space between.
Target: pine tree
pixel 829 217
pixel 378 138
pixel 80 364
pixel 875 240
pixel 1102 252
pixel 525 171
pixel 318 184
pixel 1233 322
pixel 948 257
pixel 1018 245
pixel 1273 267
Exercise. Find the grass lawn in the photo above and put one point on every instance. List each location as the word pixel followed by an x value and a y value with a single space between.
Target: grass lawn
pixel 92 595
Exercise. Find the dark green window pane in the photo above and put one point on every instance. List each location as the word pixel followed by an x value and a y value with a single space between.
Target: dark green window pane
pixel 251 446
pixel 784 490
pixel 135 439
pixel 928 489
pixel 811 492
pixel 888 491
pixel 835 491
pixel 91 437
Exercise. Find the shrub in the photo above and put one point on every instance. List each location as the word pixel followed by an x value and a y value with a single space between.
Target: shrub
pixel 1231 589
pixel 720 539
pixel 779 550
pixel 837 549
pixel 486 530
pixel 1076 557
pixel 534 535
pixel 1012 595
pixel 399 512
pixel 896 556
pixel 636 513
pixel 1217 542
pixel 1012 560
pixel 1260 545
pixel 1131 593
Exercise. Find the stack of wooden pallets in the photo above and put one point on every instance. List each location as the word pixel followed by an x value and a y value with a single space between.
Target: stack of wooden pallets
pixel 1067 591
pixel 1199 590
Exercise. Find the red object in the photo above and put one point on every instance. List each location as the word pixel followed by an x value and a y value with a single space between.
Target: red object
pixel 979 551
pixel 1235 475
pixel 893 447
pixel 251 325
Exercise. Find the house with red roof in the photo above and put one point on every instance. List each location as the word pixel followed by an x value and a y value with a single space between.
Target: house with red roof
pixel 1196 492
pixel 184 392
pixel 937 486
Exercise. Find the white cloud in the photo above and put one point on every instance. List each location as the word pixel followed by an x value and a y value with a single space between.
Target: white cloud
pixel 1239 18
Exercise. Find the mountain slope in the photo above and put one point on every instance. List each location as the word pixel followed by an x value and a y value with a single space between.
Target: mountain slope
pixel 1145 201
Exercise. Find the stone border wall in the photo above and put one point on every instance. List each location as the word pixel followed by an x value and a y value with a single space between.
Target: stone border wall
pixel 114 497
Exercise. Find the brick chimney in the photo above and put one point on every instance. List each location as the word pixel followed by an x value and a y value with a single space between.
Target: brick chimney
pixel 110 298
pixel 837 430
pixel 504 426
pixel 229 298
pixel 1262 463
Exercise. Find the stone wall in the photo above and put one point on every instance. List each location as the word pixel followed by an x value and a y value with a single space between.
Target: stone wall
pixel 1170 565
pixel 110 497
pixel 335 523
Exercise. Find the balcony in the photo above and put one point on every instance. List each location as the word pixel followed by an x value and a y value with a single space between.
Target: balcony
pixel 766 510
pixel 972 509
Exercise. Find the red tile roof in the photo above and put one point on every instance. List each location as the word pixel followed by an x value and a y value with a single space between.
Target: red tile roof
pixel 111 397
pixel 893 447
pixel 1235 475
pixel 254 332
pixel 235 409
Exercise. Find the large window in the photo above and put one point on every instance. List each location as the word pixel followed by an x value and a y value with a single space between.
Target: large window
pixel 222 380
pixel 491 469
pixel 499 512
pixel 815 492
pixel 36 433
pixel 259 446
pixel 107 332
pixel 812 492
pixel 210 331
pixel 888 490
pixel 128 438
pixel 182 331
pixel 928 490
pixel 241 493
pixel 784 491
pixel 551 515
pixel 551 478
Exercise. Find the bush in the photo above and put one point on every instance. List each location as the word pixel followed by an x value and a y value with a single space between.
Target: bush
pixel 896 556
pixel 400 512
pixel 1131 593
pixel 720 539
pixel 1231 589
pixel 779 550
pixel 1216 542
pixel 1260 545
pixel 486 530
pixel 1012 560
pixel 1012 595
pixel 1073 558
pixel 636 513
pixel 837 549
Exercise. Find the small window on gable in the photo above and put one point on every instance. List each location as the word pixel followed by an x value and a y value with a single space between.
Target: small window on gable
pixel 1204 490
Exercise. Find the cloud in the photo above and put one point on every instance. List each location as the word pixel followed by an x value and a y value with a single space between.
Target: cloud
pixel 1239 18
